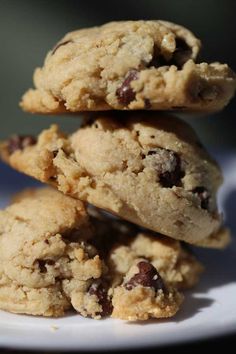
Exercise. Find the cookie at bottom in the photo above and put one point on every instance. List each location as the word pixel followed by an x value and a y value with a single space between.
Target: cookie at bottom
pixel 54 257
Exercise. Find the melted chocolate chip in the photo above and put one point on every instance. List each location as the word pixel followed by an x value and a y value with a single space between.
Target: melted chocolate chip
pixel 42 264
pixel 18 142
pixel 125 93
pixel 204 196
pixel 147 276
pixel 60 45
pixel 167 163
pixel 100 290
pixel 169 179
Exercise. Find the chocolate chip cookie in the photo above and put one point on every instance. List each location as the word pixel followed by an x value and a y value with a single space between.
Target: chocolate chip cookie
pixel 147 168
pixel 129 65
pixel 53 257
pixel 44 257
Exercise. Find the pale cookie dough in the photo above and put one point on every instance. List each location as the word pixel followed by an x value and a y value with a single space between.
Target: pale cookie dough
pixel 122 244
pixel 129 65
pixel 44 261
pixel 177 266
pixel 49 262
pixel 147 168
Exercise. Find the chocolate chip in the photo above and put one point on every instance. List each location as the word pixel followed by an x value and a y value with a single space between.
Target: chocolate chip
pixel 147 276
pixel 194 91
pixel 99 289
pixel 42 264
pixel 18 142
pixel 151 152
pixel 200 90
pixel 172 178
pixel 203 194
pixel 167 163
pixel 209 93
pixel 55 152
pixel 50 262
pixel 60 45
pixel 125 93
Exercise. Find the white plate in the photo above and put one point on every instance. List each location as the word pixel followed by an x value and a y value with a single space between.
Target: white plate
pixel 209 310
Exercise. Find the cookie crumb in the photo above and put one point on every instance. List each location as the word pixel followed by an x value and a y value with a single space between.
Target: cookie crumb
pixel 54 328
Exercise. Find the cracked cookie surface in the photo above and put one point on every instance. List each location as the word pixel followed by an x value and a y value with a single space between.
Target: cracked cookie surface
pixel 53 258
pixel 129 65
pixel 43 250
pixel 145 168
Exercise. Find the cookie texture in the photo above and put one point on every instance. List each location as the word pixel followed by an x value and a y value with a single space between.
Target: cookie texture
pixel 144 289
pixel 146 168
pixel 175 263
pixel 45 260
pixel 129 65
pixel 54 258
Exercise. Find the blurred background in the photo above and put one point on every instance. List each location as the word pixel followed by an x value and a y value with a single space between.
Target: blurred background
pixel 29 28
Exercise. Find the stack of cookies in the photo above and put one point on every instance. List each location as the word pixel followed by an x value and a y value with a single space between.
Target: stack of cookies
pixel 58 248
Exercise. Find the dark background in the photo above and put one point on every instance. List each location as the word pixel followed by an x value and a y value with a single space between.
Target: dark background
pixel 29 28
